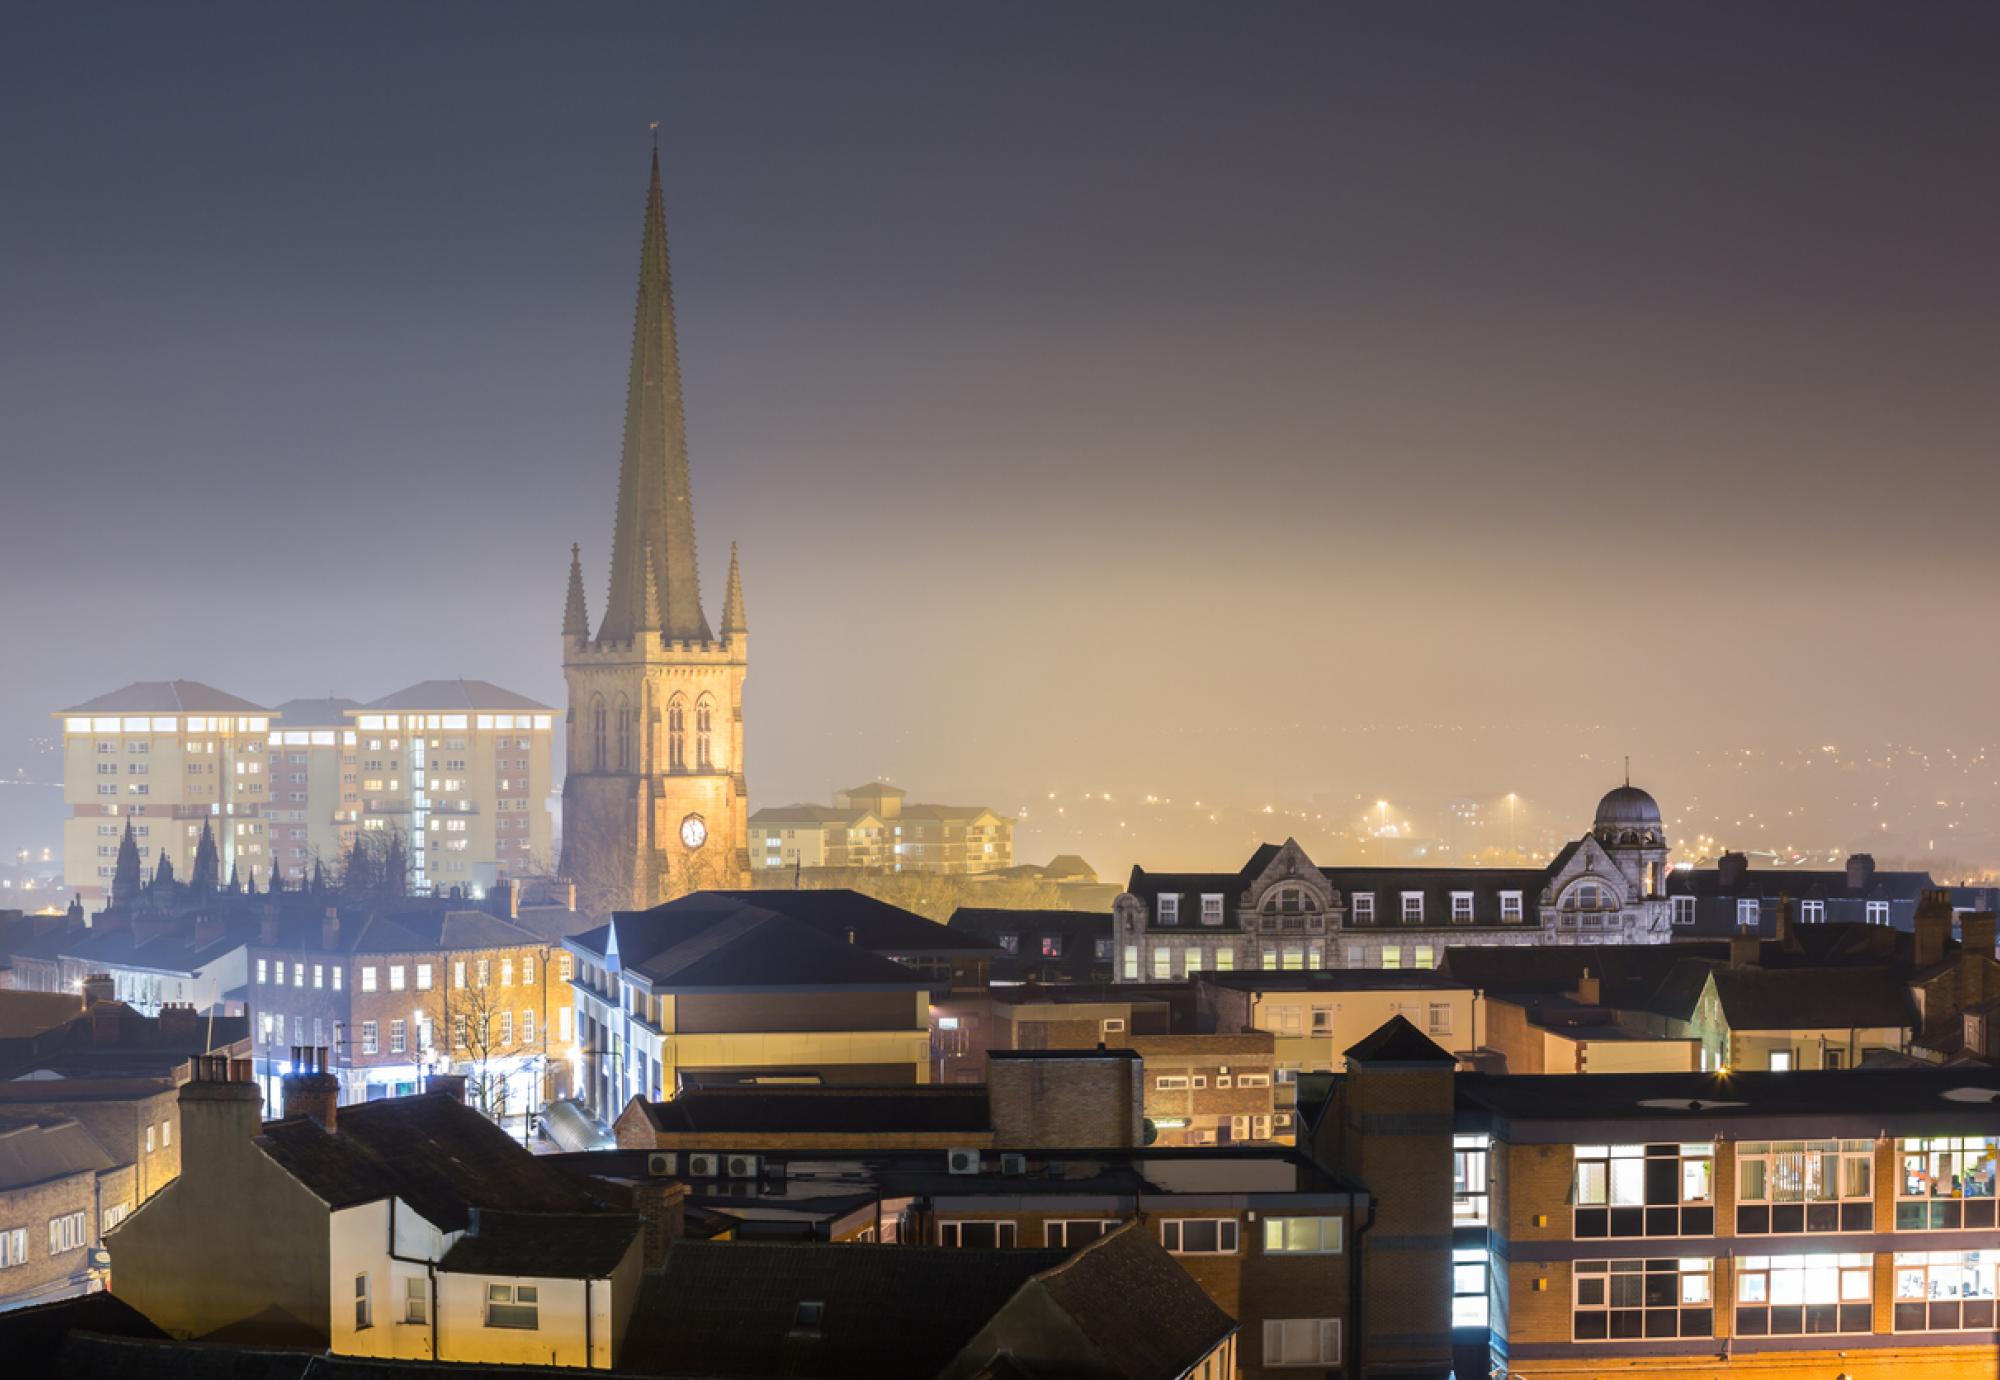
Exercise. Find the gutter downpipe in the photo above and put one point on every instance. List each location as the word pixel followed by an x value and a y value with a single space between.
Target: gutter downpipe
pixel 1354 1292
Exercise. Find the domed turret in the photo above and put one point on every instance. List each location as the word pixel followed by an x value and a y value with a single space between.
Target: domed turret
pixel 1628 807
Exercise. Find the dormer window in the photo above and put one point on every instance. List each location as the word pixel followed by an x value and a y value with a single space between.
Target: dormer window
pixel 1413 907
pixel 1167 910
pixel 1461 907
pixel 1364 907
pixel 1211 908
pixel 1510 905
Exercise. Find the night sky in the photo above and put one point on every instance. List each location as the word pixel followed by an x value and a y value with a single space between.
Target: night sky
pixel 1271 401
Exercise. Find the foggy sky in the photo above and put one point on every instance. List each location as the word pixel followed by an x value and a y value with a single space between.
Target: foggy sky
pixel 1104 397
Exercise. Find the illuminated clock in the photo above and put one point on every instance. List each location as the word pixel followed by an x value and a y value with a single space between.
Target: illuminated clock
pixel 694 831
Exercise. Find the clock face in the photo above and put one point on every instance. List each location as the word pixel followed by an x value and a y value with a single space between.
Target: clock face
pixel 694 831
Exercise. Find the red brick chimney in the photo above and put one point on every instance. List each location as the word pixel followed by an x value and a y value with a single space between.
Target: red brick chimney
pixel 1976 932
pixel 1860 871
pixel 1745 950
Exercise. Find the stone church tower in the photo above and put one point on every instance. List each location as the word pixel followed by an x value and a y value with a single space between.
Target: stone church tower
pixel 655 803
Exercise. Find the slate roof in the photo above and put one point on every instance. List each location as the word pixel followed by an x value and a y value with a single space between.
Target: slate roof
pixel 432 1151
pixel 167 697
pixel 877 925
pixel 1808 998
pixel 1077 930
pixel 737 948
pixel 1385 884
pixel 330 712
pixel 559 1245
pixel 1800 884
pixel 728 1308
pixel 1135 1302
pixel 1396 1041
pixel 454 695
pixel 917 1108
pixel 38 1149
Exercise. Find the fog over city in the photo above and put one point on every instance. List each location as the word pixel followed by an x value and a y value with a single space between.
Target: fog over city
pixel 1329 422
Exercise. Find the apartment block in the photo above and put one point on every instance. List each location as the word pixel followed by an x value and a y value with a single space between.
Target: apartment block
pixel 168 757
pixel 873 828
pixel 314 803
pixel 462 770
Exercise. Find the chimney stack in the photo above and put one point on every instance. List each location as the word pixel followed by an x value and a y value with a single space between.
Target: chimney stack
pixel 1976 932
pixel 1745 951
pixel 503 899
pixel 1781 928
pixel 221 1109
pixel 1730 869
pixel 1933 919
pixel 329 928
pixel 179 1026
pixel 452 1085
pixel 1860 871
pixel 207 929
pixel 268 928
pixel 98 987
pixel 1589 991
pixel 309 1090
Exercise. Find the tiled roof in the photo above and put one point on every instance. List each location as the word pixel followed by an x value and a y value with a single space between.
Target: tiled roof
pixel 433 1152
pixel 36 1149
pixel 453 695
pixel 834 911
pixel 1145 1314
pixel 1812 998
pixel 560 1245
pixel 167 697
pixel 740 947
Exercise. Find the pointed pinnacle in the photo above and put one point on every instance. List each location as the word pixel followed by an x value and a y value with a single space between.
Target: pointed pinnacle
pixel 576 622
pixel 732 602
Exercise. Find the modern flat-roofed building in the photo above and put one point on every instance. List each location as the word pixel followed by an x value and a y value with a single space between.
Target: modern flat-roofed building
pixel 165 756
pixel 462 770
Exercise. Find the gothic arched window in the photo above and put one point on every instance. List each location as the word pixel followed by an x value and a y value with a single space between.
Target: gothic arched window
pixel 597 733
pixel 676 734
pixel 704 713
pixel 624 735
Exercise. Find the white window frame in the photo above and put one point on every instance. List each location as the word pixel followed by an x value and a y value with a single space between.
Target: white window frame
pixel 1006 1232
pixel 1301 1342
pixel 1362 907
pixel 1511 909
pixel 1211 908
pixel 1461 908
pixel 1173 1235
pixel 1411 914
pixel 1167 908
pixel 1683 910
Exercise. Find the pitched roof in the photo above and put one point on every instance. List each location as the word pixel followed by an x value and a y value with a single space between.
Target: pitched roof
pixel 30 1013
pixel 1809 998
pixel 330 712
pixel 737 946
pixel 167 697
pixel 834 911
pixel 731 1308
pixel 432 1151
pixel 1942 1098
pixel 559 1245
pixel 37 1149
pixel 1145 1314
pixel 1396 1041
pixel 455 694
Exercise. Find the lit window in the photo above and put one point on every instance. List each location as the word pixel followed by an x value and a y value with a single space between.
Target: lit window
pixel 368 979
pixel 396 977
pixel 1798 1295
pixel 1302 1235
pixel 1644 1190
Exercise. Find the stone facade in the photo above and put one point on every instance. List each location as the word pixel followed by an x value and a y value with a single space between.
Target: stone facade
pixel 1282 911
pixel 655 803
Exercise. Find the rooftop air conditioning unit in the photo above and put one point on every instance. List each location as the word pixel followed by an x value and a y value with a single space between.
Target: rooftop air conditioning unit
pixel 660 1163
pixel 702 1166
pixel 742 1166
pixel 963 1161
pixel 1013 1164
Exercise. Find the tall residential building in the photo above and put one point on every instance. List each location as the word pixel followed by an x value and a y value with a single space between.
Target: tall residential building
pixel 461 768
pixel 872 828
pixel 655 803
pixel 315 786
pixel 166 755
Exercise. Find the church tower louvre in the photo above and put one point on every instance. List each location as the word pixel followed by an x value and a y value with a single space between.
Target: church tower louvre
pixel 654 804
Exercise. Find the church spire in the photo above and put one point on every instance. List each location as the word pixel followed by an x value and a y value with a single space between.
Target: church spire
pixel 655 512
pixel 576 622
pixel 649 601
pixel 732 602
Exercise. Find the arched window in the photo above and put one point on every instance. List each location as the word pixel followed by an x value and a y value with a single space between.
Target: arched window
pixel 624 735
pixel 597 734
pixel 676 734
pixel 704 713
pixel 1291 900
